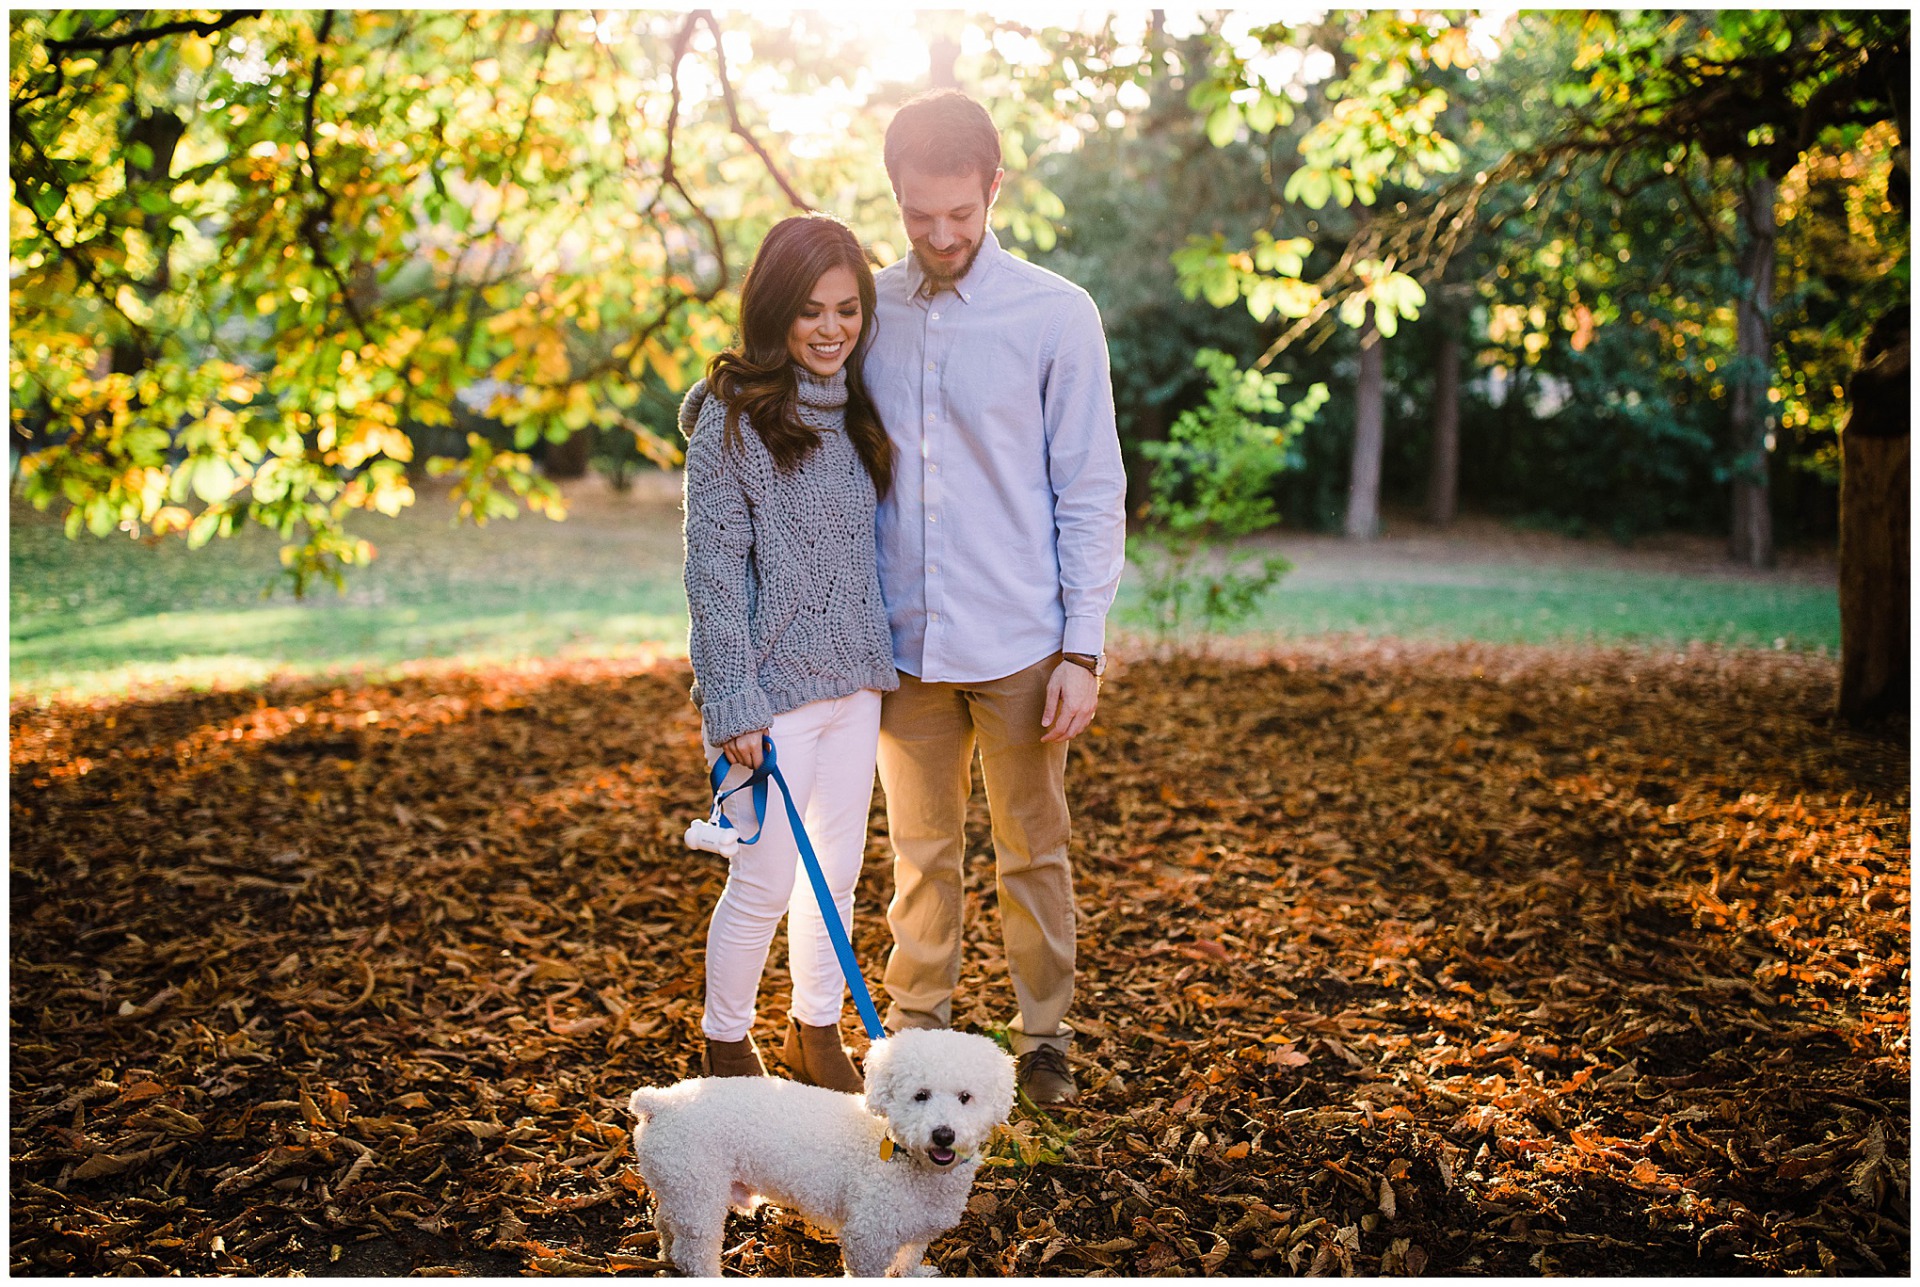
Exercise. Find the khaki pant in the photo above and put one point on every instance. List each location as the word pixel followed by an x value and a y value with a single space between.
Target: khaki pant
pixel 928 733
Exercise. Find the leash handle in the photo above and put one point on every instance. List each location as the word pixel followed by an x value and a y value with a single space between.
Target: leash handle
pixel 758 785
pixel 836 932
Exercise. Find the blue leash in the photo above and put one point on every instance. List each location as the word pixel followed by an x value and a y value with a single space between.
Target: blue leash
pixel 770 770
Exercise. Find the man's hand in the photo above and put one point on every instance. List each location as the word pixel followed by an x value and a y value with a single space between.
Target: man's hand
pixel 745 749
pixel 1073 694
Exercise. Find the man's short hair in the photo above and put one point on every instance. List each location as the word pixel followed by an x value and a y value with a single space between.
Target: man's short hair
pixel 942 132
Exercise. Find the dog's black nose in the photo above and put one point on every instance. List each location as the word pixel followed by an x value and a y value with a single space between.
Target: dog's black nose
pixel 943 1137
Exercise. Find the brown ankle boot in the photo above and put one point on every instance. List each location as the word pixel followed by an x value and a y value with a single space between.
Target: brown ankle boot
pixel 815 1057
pixel 731 1059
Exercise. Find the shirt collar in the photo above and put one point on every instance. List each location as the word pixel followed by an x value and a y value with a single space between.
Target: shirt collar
pixel 983 264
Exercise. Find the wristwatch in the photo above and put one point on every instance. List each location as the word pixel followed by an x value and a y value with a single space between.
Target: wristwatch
pixel 1096 664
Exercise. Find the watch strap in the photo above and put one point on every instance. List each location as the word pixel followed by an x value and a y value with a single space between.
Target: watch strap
pixel 1081 659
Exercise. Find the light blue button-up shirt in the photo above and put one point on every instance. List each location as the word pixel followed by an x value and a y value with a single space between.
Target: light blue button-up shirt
pixel 1004 535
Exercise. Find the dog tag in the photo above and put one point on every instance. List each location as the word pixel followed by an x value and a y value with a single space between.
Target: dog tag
pixel 886 1149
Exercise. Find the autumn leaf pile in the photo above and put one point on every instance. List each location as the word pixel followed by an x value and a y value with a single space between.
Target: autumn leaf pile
pixel 1393 960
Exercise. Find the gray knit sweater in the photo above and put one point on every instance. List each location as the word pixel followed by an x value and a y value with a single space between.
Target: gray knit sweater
pixel 782 586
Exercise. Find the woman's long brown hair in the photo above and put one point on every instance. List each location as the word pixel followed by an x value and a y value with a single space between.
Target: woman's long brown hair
pixel 757 380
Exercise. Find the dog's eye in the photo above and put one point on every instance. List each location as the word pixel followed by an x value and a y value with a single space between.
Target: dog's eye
pixel 966 1097
pixel 922 1097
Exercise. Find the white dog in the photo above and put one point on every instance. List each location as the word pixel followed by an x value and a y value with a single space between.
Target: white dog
pixel 887 1173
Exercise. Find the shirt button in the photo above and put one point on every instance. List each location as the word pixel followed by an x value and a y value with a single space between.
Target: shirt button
pixel 933 616
pixel 929 417
pixel 932 568
pixel 933 469
pixel 929 366
pixel 933 518
pixel 936 317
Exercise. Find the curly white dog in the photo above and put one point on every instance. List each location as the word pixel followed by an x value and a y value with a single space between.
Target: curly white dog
pixel 887 1173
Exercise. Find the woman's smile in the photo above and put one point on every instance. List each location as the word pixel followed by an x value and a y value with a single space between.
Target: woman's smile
pixel 822 335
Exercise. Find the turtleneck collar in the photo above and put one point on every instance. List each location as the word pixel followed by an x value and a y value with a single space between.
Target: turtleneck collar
pixel 817 392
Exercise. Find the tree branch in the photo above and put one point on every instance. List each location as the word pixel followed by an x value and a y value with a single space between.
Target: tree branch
pixel 82 265
pixel 141 35
pixel 669 177
pixel 491 231
pixel 310 224
pixel 733 116
pixel 680 41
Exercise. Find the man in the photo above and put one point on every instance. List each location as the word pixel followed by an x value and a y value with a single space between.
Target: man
pixel 1000 546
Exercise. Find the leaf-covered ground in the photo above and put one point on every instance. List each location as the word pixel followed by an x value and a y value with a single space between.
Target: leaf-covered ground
pixel 1394 960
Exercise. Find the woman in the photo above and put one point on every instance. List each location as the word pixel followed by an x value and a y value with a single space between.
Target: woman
pixel 785 460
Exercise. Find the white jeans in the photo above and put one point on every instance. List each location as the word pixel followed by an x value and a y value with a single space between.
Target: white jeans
pixel 825 750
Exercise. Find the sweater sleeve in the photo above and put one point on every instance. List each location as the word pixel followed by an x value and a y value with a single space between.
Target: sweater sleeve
pixel 719 539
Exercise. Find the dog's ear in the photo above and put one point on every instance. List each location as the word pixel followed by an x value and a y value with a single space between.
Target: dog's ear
pixel 879 1066
pixel 1004 1070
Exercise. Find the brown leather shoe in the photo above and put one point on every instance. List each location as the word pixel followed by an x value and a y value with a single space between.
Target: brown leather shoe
pixel 1043 1074
pixel 731 1059
pixel 815 1057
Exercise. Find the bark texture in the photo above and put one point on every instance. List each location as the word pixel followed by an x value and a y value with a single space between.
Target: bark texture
pixel 1369 438
pixel 1443 476
pixel 1752 412
pixel 1876 506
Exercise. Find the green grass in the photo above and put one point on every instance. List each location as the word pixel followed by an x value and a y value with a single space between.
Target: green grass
pixel 100 616
pixel 91 616
pixel 1555 606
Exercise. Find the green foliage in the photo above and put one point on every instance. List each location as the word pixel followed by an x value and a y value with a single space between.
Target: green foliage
pixel 1211 486
pixel 265 253
pixel 1268 275
pixel 256 256
pixel 1379 125
pixel 1618 276
pixel 633 446
pixel 256 253
pixel 1596 223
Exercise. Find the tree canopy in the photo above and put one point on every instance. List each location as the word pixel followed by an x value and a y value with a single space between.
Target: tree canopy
pixel 265 262
pixel 254 251
pixel 1706 114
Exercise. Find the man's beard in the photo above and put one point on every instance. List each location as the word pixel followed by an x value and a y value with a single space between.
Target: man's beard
pixel 941 277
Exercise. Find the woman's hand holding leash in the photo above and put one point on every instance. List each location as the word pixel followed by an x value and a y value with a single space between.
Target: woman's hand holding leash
pixel 745 749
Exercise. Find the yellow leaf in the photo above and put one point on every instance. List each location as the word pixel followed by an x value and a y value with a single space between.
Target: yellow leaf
pixel 391 500
pixel 579 408
pixel 196 52
pixel 551 362
pixel 664 364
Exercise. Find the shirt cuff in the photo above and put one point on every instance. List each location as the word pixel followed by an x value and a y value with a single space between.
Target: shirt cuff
pixel 1085 634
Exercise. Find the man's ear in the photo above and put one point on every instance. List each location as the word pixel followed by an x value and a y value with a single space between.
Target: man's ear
pixel 993 189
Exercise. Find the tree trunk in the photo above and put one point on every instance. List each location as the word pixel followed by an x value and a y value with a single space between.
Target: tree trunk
pixel 1369 437
pixel 942 33
pixel 1443 473
pixel 159 133
pixel 1752 411
pixel 1876 662
pixel 569 459
pixel 943 51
